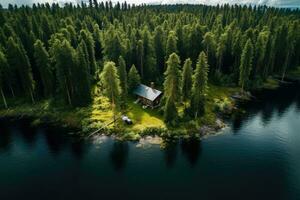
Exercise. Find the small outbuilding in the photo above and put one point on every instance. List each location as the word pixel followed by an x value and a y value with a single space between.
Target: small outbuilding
pixel 148 95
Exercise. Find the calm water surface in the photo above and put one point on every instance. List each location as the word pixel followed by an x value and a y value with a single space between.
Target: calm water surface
pixel 258 157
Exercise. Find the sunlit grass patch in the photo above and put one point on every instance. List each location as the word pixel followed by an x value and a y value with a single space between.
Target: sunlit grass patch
pixel 143 118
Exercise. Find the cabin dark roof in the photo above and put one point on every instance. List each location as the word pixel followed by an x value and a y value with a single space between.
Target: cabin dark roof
pixel 147 92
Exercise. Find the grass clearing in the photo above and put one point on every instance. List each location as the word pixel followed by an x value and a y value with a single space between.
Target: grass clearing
pixel 143 118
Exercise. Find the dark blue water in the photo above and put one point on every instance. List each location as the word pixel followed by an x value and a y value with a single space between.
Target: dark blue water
pixel 258 157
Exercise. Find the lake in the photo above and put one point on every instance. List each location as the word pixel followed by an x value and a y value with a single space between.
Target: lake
pixel 257 157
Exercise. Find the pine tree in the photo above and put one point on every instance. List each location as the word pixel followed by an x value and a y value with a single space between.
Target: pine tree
pixel 200 86
pixel 260 49
pixel 64 56
pixel 159 47
pixel 81 78
pixel 149 55
pixel 111 83
pixel 170 112
pixel 42 62
pixel 3 70
pixel 87 37
pixel 187 79
pixel 196 38
pixel 21 65
pixel 209 44
pixel 246 64
pixel 171 44
pixel 172 78
pixel 123 78
pixel 134 78
pixel 140 55
pixel 113 46
pixel 221 48
pixel 98 42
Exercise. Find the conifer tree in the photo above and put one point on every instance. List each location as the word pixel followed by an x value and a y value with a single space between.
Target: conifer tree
pixel 123 78
pixel 209 44
pixel 64 56
pixel 111 83
pixel 171 44
pixel 134 78
pixel 149 55
pixel 260 49
pixel 221 47
pixel 3 70
pixel 81 78
pixel 170 112
pixel 42 62
pixel 200 86
pixel 159 48
pixel 21 65
pixel 172 83
pixel 246 64
pixel 113 46
pixel 187 79
pixel 98 42
pixel 87 37
pixel 140 55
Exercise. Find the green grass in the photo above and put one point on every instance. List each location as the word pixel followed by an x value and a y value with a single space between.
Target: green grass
pixel 270 84
pixel 143 118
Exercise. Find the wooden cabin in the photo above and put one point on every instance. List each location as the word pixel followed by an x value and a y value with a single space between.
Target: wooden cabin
pixel 148 96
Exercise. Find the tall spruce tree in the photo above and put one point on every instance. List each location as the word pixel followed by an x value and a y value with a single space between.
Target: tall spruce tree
pixel 140 55
pixel 172 83
pixel 200 86
pixel 98 42
pixel 21 65
pixel 149 55
pixel 170 112
pixel 111 83
pixel 65 60
pixel 123 78
pixel 42 62
pixel 81 78
pixel 87 37
pixel 134 78
pixel 3 69
pixel 159 46
pixel 246 64
pixel 187 74
pixel 171 44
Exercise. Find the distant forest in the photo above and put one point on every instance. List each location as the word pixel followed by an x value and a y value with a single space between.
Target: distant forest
pixel 64 53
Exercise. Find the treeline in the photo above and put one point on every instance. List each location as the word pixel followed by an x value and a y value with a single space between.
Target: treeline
pixel 47 51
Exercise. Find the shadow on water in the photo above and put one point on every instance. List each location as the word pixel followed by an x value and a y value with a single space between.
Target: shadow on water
pixel 5 137
pixel 170 154
pixel 29 133
pixel 119 155
pixel 56 138
pixel 56 142
pixel 191 149
pixel 268 103
pixel 78 148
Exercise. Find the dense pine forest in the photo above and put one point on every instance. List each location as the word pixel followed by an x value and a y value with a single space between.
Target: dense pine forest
pixel 71 53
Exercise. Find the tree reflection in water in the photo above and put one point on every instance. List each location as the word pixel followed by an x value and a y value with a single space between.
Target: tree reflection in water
pixel 191 150
pixel 5 137
pixel 170 153
pixel 119 155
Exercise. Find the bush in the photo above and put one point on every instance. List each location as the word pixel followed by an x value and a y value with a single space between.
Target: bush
pixel 223 105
